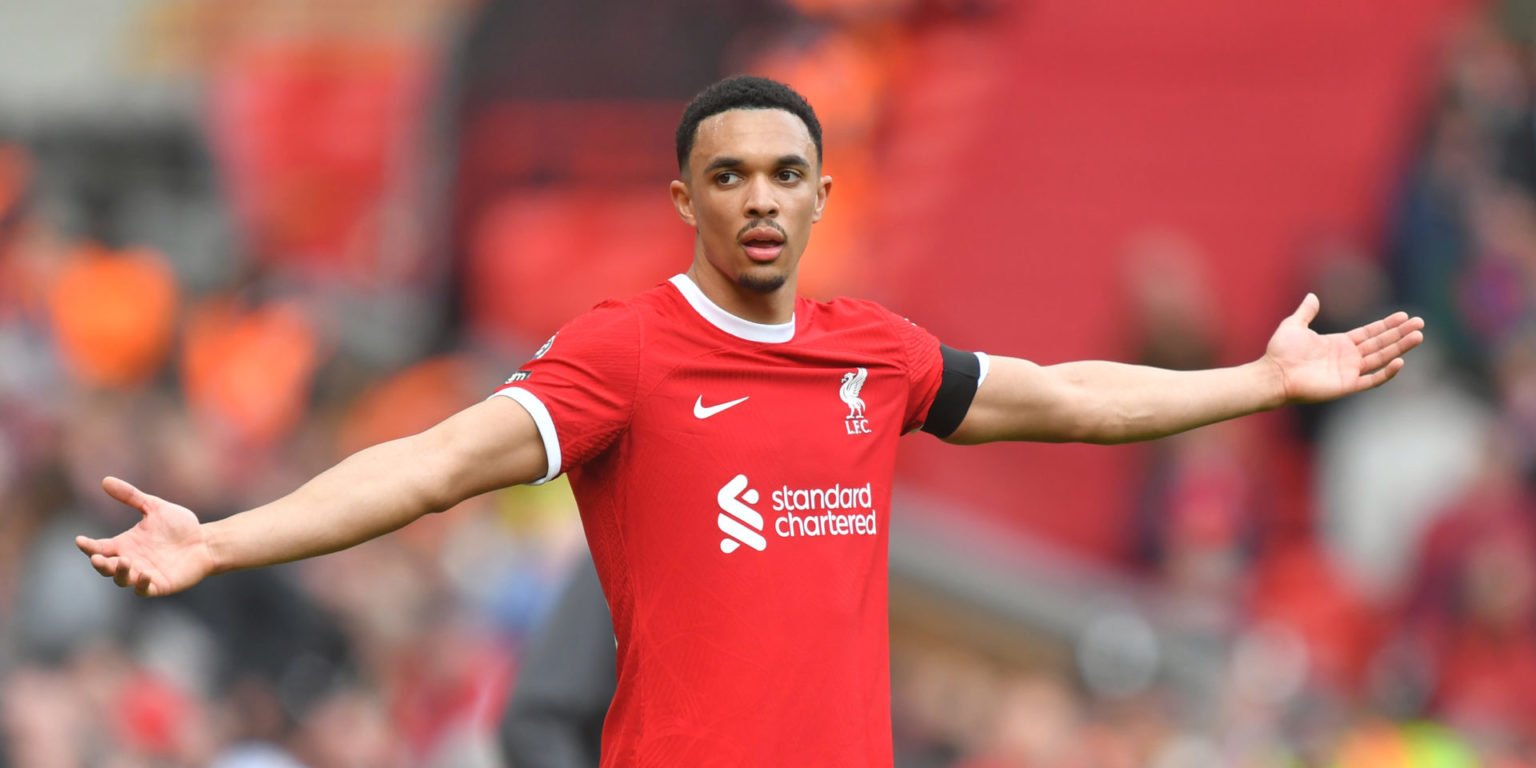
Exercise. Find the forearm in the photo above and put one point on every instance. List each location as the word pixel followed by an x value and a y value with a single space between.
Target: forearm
pixel 1098 402
pixel 372 492
pixel 1106 403
pixel 491 444
pixel 1126 403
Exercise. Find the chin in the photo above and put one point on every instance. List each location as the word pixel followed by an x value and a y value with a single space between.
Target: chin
pixel 762 283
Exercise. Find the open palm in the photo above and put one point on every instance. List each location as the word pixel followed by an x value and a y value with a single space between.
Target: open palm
pixel 1315 367
pixel 164 553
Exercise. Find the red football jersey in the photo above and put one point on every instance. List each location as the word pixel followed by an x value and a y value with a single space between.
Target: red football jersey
pixel 734 481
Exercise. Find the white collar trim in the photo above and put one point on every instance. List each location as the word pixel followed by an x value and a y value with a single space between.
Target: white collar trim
pixel 777 333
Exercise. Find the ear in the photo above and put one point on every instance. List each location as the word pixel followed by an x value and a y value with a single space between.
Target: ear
pixel 823 190
pixel 682 200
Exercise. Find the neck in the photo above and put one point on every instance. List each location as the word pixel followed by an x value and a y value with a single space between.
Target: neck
pixel 772 308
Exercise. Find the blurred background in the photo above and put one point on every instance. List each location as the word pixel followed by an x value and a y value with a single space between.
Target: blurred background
pixel 239 241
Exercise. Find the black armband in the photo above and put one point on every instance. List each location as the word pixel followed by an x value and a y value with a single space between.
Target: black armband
pixel 962 375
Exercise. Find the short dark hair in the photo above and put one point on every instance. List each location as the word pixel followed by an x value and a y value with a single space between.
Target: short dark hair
pixel 743 92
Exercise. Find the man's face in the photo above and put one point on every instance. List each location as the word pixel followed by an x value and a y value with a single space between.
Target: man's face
pixel 752 191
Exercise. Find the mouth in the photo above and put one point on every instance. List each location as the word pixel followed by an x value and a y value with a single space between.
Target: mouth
pixel 762 244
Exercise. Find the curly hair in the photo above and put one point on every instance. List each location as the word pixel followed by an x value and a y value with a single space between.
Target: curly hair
pixel 743 92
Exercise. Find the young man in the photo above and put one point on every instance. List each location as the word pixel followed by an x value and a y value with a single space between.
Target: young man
pixel 731 447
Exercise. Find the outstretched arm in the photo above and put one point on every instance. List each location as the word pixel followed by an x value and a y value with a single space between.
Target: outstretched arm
pixel 377 490
pixel 1102 402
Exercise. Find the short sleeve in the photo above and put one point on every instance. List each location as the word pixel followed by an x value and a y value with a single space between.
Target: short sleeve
pixel 580 386
pixel 924 369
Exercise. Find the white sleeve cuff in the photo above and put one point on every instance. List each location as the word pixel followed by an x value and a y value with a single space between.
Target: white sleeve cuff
pixel 546 426
pixel 986 363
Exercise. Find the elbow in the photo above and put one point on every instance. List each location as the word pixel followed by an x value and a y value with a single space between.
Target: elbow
pixel 435 499
pixel 438 474
pixel 444 487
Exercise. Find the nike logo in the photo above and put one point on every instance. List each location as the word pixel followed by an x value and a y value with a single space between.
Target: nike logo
pixel 700 411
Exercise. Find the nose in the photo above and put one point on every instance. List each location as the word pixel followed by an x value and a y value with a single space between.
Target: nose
pixel 761 202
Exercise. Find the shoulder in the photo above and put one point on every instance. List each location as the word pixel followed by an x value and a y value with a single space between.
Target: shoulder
pixel 610 331
pixel 845 310
pixel 657 306
pixel 880 331
pixel 852 314
pixel 627 315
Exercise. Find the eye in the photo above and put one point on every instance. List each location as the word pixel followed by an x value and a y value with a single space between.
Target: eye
pixel 726 178
pixel 789 176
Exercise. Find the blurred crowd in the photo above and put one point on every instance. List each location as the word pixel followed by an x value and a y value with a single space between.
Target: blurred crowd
pixel 218 395
pixel 217 312
pixel 1378 554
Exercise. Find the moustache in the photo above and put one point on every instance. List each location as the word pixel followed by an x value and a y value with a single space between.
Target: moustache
pixel 757 223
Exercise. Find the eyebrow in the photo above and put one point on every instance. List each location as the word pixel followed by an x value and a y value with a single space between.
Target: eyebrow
pixel 723 162
pixel 734 162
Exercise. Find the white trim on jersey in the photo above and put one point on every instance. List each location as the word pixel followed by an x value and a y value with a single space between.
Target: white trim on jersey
pixel 986 363
pixel 725 321
pixel 535 408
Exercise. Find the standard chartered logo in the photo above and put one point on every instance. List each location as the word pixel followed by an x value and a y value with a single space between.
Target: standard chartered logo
pixel 736 516
pixel 837 510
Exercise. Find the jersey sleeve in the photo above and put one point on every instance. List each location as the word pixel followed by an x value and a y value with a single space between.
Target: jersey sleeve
pixel 924 367
pixel 580 386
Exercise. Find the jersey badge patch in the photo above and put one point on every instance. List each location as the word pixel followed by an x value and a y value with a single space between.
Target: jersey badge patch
pixel 853 383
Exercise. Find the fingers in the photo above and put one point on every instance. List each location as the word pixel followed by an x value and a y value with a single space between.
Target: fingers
pixel 1307 312
pixel 124 574
pixel 1386 354
pixel 1386 340
pixel 92 546
pixel 1385 325
pixel 1389 335
pixel 141 584
pixel 114 568
pixel 104 565
pixel 1380 377
pixel 124 492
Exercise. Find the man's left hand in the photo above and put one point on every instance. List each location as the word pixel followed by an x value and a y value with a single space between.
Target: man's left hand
pixel 1314 368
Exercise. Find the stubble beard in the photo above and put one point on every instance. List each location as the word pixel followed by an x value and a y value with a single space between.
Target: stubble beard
pixel 764 284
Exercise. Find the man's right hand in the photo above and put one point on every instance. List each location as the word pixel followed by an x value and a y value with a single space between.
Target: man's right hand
pixel 166 552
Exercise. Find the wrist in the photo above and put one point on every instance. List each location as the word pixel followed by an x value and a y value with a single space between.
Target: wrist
pixel 216 555
pixel 1270 378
